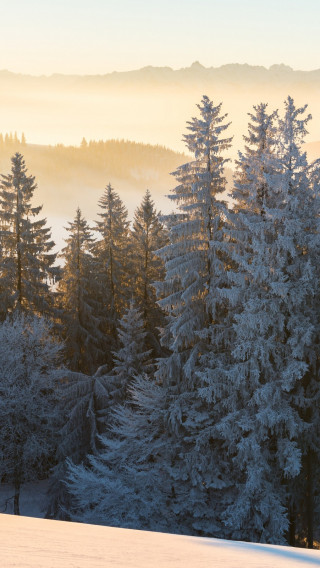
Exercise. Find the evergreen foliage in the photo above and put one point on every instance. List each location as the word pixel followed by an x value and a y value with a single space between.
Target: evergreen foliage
pixel 195 273
pixel 132 358
pixel 26 263
pixel 29 359
pixel 273 279
pixel 77 297
pixel 147 236
pixel 126 485
pixel 220 436
pixel 111 254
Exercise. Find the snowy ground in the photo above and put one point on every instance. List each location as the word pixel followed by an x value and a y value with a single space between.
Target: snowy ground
pixel 40 543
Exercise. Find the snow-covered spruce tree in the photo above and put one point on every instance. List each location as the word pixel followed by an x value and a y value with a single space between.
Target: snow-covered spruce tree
pixel 83 402
pixel 77 298
pixel 212 372
pixel 111 254
pixel 131 359
pixel 269 243
pixel 26 262
pixel 147 236
pixel 303 490
pixel 29 358
pixel 122 485
pixel 126 485
pixel 250 185
pixel 306 489
pixel 197 324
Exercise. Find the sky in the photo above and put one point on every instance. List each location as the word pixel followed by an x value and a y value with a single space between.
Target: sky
pixel 100 36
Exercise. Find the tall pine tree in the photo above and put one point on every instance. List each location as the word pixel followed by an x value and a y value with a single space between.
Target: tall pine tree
pixel 111 254
pixel 195 272
pixel 147 236
pixel 26 263
pixel 271 283
pixel 77 297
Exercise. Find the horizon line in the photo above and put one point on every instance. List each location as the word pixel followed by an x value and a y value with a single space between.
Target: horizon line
pixel 194 65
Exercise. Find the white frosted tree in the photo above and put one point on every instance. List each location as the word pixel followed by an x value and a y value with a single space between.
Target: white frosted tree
pixel 83 400
pixel 272 281
pixel 193 263
pixel 122 485
pixel 302 178
pixel 250 191
pixel 127 484
pixel 132 358
pixel 29 359
pixel 196 266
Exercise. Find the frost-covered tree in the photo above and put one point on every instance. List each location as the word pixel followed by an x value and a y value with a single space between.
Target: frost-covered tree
pixel 274 280
pixel 26 260
pixel 250 183
pixel 127 485
pixel 193 263
pixel 83 402
pixel 29 358
pixel 132 358
pixel 77 297
pixel 306 490
pixel 147 236
pixel 111 253
pixel 195 273
pixel 302 179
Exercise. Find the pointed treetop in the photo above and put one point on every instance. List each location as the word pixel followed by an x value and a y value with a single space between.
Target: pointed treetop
pixel 205 136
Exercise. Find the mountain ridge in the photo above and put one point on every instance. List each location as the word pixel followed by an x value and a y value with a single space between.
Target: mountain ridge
pixel 195 66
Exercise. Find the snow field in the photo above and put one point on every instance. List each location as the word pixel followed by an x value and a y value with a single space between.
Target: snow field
pixel 41 543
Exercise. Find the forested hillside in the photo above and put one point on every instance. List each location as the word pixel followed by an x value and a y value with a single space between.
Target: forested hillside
pixel 163 371
pixel 71 176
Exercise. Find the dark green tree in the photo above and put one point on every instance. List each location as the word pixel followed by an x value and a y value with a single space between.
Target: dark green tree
pixel 26 262
pixel 76 288
pixel 148 235
pixel 111 254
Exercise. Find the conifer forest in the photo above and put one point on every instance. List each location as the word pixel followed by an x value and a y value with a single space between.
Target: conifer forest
pixel 164 373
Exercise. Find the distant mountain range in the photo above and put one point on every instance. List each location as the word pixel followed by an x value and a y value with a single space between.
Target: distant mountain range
pixel 232 73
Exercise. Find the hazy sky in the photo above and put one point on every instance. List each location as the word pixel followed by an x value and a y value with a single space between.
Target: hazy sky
pixel 99 36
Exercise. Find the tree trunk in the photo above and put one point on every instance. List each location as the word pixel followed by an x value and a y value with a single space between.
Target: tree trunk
pixel 17 479
pixel 292 527
pixel 309 500
pixel 18 245
pixel 16 503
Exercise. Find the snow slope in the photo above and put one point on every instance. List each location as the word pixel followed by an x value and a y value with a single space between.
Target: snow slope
pixel 39 543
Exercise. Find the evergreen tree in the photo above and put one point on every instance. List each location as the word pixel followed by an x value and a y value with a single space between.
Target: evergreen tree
pixel 126 484
pixel 111 253
pixel 273 278
pixel 26 264
pixel 132 358
pixel 84 399
pixel 250 183
pixel 77 290
pixel 28 407
pixel 193 266
pixel 147 236
pixel 307 495
pixel 195 272
pixel 301 183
